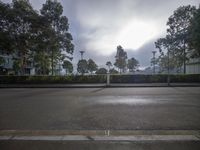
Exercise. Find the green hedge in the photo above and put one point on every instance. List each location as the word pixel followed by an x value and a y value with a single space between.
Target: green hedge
pixel 98 79
pixel 137 78
pixel 155 78
pixel 52 79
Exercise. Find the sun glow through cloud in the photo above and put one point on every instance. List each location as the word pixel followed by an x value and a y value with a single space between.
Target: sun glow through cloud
pixel 131 35
pixel 137 33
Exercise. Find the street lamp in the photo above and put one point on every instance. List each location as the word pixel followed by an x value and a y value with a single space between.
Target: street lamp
pixel 82 52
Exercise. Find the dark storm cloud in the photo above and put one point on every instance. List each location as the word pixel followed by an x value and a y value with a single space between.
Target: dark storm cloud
pixel 144 54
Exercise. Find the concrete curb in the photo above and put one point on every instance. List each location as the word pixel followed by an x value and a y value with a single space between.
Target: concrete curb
pixel 104 135
pixel 98 85
pixel 96 132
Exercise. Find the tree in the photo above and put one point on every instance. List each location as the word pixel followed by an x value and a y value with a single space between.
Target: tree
pixel 132 64
pixel 6 18
pixel 194 42
pixel 38 38
pixel 21 25
pixel 2 61
pixel 178 31
pixel 169 60
pixel 101 71
pixel 67 65
pixel 113 71
pixel 82 66
pixel 167 63
pixel 109 64
pixel 120 59
pixel 42 63
pixel 20 21
pixel 61 39
pixel 17 66
pixel 177 38
pixel 92 66
pixel 40 51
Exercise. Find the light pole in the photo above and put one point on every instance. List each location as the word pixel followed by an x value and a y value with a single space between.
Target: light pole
pixel 82 52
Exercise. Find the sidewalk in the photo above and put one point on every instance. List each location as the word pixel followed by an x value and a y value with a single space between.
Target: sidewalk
pixel 112 85
pixel 90 140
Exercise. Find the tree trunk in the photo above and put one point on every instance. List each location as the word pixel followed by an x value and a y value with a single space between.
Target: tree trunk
pixel 184 59
pixel 23 64
pixel 52 64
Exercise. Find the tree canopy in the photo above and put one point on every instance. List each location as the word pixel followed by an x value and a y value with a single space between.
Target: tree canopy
pixel 176 42
pixel 195 35
pixel 92 66
pixel 133 64
pixel 32 37
pixel 101 71
pixel 82 66
pixel 67 65
pixel 120 59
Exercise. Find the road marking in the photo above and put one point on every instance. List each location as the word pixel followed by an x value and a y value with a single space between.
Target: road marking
pixel 5 137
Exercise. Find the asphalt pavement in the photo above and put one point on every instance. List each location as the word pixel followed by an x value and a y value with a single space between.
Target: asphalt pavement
pixel 101 109
pixel 100 85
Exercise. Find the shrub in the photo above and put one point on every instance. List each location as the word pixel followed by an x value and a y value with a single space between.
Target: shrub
pixel 52 79
pixel 98 79
pixel 154 78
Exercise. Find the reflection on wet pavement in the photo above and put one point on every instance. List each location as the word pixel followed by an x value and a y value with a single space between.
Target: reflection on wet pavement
pixel 126 100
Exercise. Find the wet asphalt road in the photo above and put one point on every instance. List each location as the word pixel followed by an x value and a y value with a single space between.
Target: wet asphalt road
pixel 36 145
pixel 98 109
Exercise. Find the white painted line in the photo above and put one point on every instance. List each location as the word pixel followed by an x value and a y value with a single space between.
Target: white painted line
pixel 5 137
pixel 38 138
pixel 147 138
pixel 74 138
pixel 104 138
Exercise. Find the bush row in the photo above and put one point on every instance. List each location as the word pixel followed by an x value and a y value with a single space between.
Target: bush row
pixel 98 79
pixel 155 78
pixel 52 79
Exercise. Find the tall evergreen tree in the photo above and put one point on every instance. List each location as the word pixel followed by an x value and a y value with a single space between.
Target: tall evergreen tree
pixel 121 59
pixel 61 42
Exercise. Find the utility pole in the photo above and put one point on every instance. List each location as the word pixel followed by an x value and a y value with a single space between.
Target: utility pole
pixel 82 52
pixel 154 61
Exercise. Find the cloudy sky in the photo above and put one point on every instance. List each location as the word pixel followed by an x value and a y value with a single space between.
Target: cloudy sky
pixel 99 26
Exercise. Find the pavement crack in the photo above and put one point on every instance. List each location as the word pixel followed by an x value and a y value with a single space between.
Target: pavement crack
pixel 198 136
pixel 90 138
pixel 98 90
pixel 12 137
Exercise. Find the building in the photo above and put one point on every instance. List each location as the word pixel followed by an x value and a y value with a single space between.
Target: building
pixel 6 68
pixel 193 66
